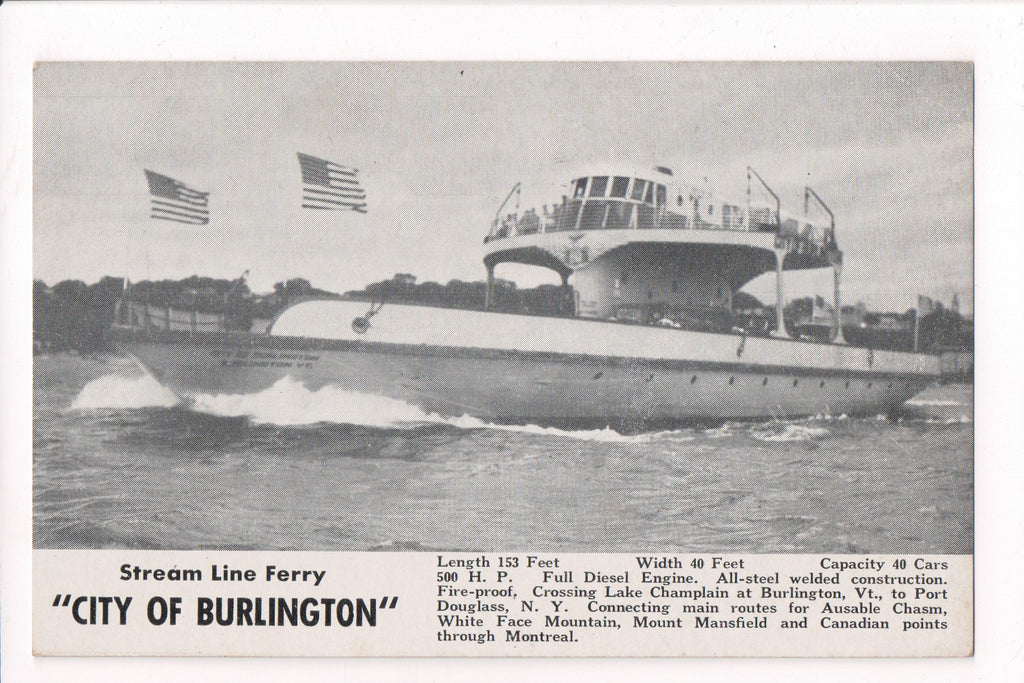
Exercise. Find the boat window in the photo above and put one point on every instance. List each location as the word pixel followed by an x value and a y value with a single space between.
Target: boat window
pixel 661 195
pixel 638 189
pixel 649 195
pixel 579 187
pixel 619 186
pixel 598 185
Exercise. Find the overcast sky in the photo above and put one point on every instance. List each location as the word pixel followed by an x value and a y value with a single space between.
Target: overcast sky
pixel 438 145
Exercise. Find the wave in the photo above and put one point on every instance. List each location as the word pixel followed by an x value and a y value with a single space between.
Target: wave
pixel 933 402
pixel 606 435
pixel 119 392
pixel 790 432
pixel 289 403
pixel 962 420
pixel 722 432
pixel 827 417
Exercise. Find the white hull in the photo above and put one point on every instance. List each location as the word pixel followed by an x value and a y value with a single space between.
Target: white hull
pixel 547 370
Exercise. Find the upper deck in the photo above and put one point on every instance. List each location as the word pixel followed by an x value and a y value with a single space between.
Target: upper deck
pixel 629 204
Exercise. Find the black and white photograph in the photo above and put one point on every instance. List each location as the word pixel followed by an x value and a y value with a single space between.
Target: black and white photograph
pixel 504 306
pixel 464 343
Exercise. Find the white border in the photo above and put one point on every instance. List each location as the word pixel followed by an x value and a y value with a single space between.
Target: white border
pixel 990 35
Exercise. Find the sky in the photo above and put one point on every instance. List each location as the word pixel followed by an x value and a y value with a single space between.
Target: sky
pixel 888 145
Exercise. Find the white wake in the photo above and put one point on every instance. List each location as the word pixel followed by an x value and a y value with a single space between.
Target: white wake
pixel 790 432
pixel 289 403
pixel 119 392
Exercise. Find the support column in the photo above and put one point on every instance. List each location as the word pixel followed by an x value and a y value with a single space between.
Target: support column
pixel 489 291
pixel 837 337
pixel 565 297
pixel 780 295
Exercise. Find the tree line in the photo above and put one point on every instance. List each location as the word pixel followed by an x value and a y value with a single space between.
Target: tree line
pixel 74 315
pixel 506 297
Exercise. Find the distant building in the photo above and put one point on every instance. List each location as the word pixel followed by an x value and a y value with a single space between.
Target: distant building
pixel 853 316
pixel 891 322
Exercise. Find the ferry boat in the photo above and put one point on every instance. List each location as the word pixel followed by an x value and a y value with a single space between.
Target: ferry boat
pixel 649 266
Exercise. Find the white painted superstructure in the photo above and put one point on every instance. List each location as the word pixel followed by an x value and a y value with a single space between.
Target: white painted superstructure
pixel 641 244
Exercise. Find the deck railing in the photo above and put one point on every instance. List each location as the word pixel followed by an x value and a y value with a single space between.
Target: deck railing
pixel 624 214
pixel 148 316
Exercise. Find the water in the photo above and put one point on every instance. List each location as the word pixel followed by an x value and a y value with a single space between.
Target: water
pixel 118 464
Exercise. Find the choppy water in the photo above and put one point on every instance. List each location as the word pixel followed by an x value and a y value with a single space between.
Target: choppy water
pixel 117 464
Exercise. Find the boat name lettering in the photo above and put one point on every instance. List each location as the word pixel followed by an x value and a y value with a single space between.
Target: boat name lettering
pixel 248 358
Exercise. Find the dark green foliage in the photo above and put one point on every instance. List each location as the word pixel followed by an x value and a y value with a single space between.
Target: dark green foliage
pixel 742 301
pixel 507 298
pixel 73 315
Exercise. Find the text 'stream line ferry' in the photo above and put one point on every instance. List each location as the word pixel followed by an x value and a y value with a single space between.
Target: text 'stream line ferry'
pixel 648 258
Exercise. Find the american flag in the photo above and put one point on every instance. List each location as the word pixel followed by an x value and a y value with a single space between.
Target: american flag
pixel 176 201
pixel 330 186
